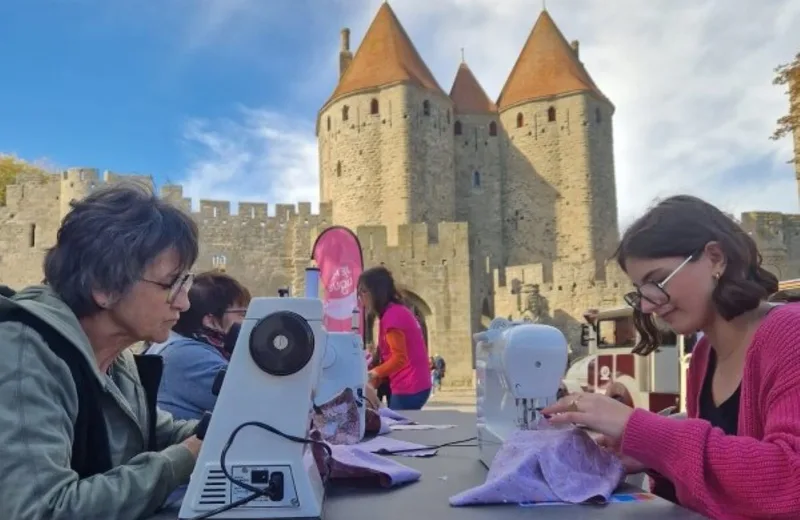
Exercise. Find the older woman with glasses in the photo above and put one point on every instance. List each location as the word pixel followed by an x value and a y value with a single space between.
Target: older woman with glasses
pixel 201 344
pixel 80 433
pixel 737 454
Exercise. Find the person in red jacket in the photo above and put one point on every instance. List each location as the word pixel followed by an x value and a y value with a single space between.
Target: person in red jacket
pixel 737 454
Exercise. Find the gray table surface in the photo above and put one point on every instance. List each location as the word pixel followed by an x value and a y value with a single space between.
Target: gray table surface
pixel 454 470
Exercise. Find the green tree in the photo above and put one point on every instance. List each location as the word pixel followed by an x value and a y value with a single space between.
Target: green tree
pixel 10 167
pixel 788 75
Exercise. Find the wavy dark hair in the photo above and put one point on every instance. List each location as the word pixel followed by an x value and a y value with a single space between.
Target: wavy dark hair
pixel 213 293
pixel 681 226
pixel 108 239
pixel 378 281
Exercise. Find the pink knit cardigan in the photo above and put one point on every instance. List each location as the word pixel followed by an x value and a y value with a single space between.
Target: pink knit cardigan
pixel 755 474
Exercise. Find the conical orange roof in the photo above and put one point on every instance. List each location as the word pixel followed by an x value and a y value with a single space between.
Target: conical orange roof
pixel 547 66
pixel 467 94
pixel 385 56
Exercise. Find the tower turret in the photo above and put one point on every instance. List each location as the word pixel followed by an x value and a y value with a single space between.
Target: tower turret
pixel 559 197
pixel 76 183
pixel 478 180
pixel 385 136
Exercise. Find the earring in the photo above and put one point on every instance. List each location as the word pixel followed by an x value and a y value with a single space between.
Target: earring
pixel 717 276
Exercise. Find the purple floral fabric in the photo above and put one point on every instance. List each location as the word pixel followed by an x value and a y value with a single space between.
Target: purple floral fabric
pixel 338 421
pixel 547 465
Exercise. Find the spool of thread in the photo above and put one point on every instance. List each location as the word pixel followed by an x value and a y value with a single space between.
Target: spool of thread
pixel 312 282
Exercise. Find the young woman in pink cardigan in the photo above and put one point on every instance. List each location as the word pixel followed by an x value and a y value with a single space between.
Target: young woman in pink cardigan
pixel 737 454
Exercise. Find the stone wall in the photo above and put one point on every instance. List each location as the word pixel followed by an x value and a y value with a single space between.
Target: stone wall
pixel 265 252
pixel 479 180
pixel 559 196
pixel 436 276
pixel 565 292
pixel 386 158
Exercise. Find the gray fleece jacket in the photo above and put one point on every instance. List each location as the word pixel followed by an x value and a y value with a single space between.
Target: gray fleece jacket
pixel 38 407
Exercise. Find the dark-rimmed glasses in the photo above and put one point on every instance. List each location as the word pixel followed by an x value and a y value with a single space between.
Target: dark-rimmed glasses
pixel 653 292
pixel 181 283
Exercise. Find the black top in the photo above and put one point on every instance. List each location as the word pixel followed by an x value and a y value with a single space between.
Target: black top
pixel 726 415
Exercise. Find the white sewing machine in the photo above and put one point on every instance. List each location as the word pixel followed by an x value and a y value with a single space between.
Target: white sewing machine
pixel 519 368
pixel 344 366
pixel 273 372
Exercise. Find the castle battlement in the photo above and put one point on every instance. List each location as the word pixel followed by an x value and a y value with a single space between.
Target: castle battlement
pixel 220 211
pixel 562 276
pixel 414 245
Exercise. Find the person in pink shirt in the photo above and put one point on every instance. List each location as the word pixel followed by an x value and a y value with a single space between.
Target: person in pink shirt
pixel 401 344
pixel 737 453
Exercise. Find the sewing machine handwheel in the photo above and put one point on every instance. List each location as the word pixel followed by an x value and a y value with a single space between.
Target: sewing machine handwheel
pixel 202 426
pixel 282 343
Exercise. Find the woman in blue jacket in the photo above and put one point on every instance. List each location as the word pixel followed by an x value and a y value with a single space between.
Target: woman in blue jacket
pixel 200 344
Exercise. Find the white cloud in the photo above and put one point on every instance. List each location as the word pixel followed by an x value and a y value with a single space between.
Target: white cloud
pixel 691 81
pixel 264 155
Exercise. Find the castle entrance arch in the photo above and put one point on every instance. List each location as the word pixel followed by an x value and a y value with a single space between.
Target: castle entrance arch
pixel 421 310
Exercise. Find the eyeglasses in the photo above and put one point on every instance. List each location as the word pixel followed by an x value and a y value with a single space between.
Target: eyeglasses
pixel 653 292
pixel 241 311
pixel 181 283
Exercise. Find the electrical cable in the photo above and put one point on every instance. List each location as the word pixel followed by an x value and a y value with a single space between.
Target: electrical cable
pixel 266 492
pixel 453 444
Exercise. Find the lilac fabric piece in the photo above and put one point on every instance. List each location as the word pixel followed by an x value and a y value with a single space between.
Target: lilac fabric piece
pixel 394 416
pixel 386 426
pixel 353 463
pixel 547 465
pixel 388 446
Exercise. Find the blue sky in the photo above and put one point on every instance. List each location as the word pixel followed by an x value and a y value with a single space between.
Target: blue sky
pixel 222 95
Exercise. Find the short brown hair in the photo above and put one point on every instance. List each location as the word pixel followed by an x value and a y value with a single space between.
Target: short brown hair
pixel 681 226
pixel 378 281
pixel 213 292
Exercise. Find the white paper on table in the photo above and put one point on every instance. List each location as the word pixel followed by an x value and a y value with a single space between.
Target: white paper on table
pixel 422 426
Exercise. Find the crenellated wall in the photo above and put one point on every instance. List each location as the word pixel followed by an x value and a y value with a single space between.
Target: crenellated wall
pixel 567 290
pixel 436 275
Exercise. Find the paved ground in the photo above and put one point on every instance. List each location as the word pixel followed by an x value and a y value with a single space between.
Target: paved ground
pixel 461 399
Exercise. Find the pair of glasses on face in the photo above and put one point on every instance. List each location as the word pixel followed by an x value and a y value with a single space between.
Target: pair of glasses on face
pixel 654 292
pixel 175 288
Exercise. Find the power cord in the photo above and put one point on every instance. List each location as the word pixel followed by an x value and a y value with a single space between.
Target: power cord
pixel 257 492
pixel 453 444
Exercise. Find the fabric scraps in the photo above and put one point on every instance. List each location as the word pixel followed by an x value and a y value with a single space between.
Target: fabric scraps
pixel 338 421
pixel 388 413
pixel 358 466
pixel 390 446
pixel 547 465
pixel 374 423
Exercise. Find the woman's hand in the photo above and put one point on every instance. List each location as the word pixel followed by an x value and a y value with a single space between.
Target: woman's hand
pixel 630 464
pixel 597 412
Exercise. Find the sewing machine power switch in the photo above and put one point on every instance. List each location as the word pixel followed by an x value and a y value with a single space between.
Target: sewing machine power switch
pixel 216 386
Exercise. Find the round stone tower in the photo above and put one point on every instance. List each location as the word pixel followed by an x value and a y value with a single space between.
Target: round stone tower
pixel 76 183
pixel 386 135
pixel 559 198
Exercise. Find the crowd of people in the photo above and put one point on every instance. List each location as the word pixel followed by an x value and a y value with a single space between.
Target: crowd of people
pixel 88 429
